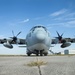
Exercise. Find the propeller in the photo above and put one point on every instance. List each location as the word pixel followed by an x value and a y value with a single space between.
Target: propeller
pixel 14 38
pixel 59 36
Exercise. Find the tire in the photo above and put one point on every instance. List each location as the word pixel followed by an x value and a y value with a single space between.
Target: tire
pixel 28 54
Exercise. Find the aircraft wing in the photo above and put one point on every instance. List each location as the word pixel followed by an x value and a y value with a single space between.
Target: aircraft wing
pixel 65 42
pixel 72 40
pixel 11 41
pixel 8 42
pixel 55 40
pixel 2 41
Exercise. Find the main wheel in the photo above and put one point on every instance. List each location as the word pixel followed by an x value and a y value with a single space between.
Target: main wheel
pixel 28 54
pixel 37 54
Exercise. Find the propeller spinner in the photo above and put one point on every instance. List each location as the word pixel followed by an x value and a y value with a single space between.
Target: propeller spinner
pixel 14 38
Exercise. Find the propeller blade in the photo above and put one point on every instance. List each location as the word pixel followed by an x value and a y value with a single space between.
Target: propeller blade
pixel 62 34
pixel 18 33
pixel 58 34
pixel 13 33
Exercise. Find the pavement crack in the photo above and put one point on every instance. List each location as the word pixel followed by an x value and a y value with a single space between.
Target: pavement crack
pixel 40 73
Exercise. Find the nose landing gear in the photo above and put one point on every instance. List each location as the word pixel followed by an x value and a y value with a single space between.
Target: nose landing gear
pixel 39 52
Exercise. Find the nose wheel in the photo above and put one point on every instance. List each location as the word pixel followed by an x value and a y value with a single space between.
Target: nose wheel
pixel 41 53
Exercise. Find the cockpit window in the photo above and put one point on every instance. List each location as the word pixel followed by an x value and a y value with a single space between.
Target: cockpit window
pixel 38 27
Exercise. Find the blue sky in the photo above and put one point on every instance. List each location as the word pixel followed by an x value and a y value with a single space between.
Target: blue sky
pixel 22 15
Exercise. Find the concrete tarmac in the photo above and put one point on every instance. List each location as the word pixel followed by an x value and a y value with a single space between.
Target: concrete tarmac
pixel 56 65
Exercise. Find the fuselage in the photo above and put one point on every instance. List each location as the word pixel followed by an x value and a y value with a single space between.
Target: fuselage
pixel 38 39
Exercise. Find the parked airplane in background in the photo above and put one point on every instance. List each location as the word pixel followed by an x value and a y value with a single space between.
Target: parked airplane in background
pixel 38 41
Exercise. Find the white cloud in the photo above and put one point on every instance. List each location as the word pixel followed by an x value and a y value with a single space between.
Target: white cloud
pixel 69 26
pixel 63 18
pixel 67 17
pixel 71 22
pixel 24 21
pixel 18 22
pixel 60 12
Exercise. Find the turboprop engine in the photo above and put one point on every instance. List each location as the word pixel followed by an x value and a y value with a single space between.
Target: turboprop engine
pixel 66 44
pixel 8 45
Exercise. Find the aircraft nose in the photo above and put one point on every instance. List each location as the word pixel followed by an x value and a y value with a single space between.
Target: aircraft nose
pixel 40 36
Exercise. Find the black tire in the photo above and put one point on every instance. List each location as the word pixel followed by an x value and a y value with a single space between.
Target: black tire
pixel 28 54
pixel 37 54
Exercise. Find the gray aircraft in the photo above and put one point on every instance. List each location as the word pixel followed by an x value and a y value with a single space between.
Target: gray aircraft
pixel 38 41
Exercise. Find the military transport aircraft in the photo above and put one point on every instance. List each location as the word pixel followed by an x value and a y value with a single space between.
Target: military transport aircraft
pixel 38 41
